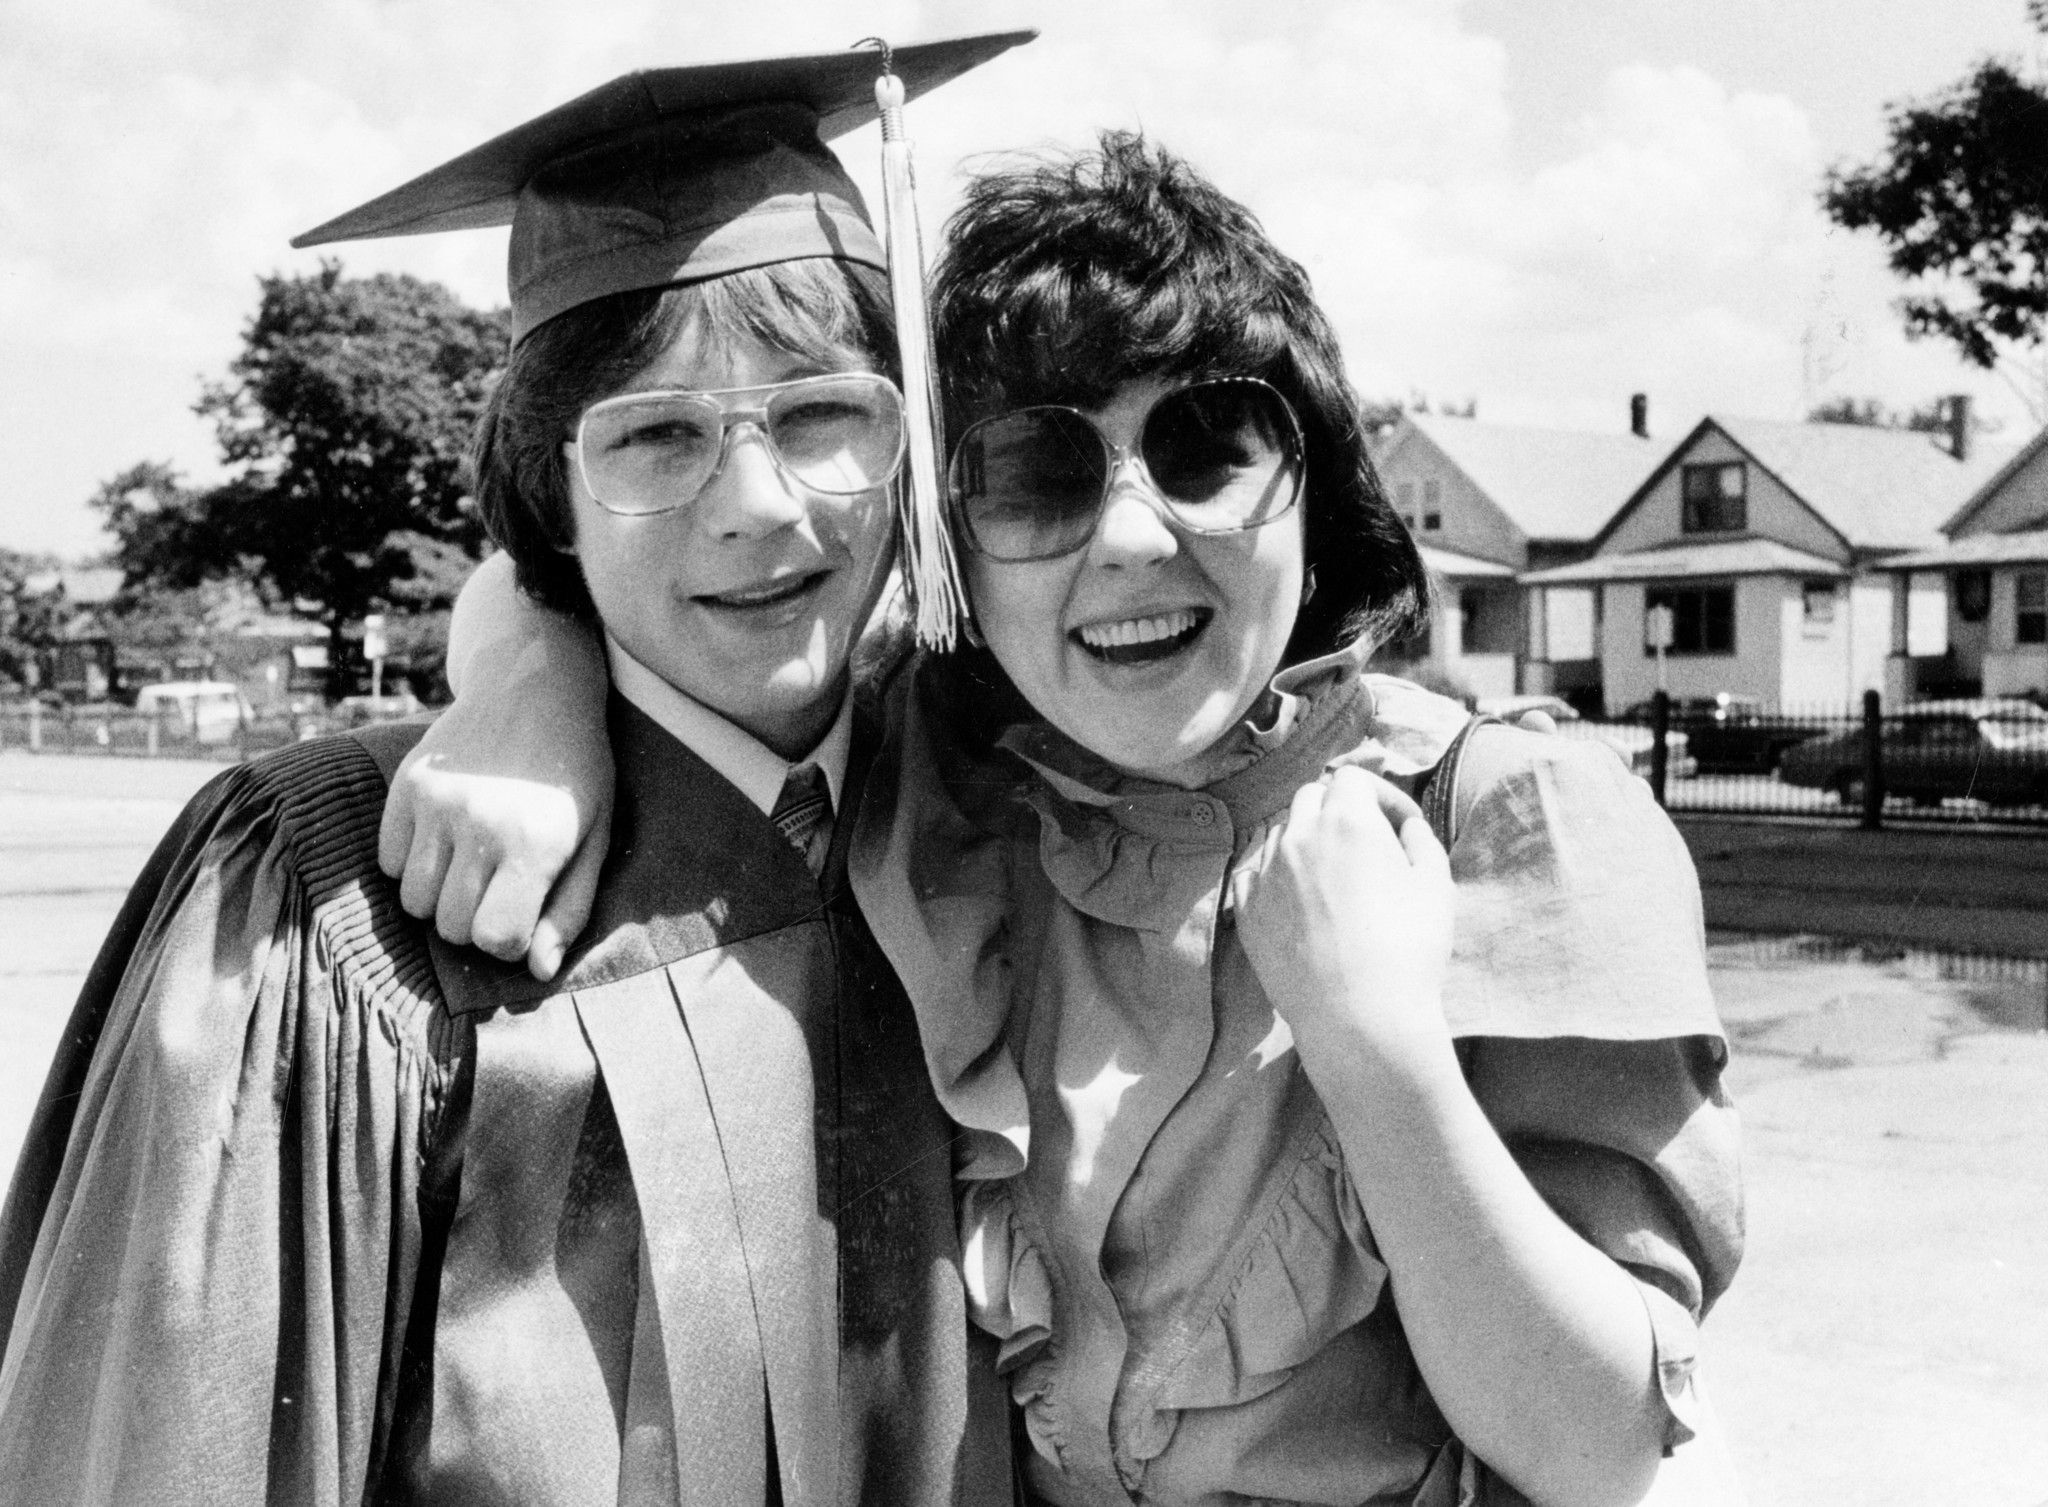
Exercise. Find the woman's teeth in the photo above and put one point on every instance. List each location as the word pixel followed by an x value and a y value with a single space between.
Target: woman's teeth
pixel 1137 630
pixel 1138 640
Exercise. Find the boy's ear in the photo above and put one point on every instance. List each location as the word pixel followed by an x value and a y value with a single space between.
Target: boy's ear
pixel 562 530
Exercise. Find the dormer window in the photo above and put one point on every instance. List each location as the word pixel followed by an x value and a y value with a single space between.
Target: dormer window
pixel 1715 498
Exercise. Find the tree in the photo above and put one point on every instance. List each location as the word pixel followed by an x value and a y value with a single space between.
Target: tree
pixel 1931 417
pixel 1960 198
pixel 29 619
pixel 343 424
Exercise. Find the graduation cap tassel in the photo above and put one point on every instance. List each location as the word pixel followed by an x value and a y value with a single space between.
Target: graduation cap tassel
pixel 929 564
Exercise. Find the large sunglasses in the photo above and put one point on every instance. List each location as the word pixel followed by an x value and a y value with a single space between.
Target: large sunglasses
pixel 653 452
pixel 1222 456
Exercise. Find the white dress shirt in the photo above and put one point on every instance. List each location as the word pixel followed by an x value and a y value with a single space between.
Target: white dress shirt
pixel 756 769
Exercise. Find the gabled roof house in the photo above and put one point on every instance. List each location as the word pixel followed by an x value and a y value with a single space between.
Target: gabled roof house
pixel 1487 501
pixel 1766 542
pixel 1994 567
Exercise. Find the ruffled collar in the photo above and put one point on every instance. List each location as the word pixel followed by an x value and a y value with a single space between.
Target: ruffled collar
pixel 1312 717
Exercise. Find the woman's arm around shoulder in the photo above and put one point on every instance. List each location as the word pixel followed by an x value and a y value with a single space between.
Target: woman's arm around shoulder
pixel 497 821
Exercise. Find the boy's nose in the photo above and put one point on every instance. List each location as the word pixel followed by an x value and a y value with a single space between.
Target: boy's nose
pixel 750 496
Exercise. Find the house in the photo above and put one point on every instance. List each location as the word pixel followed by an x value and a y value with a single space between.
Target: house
pixel 1767 542
pixel 1487 502
pixel 1994 570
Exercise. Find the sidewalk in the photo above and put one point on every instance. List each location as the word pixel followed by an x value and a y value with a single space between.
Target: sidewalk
pixel 1929 888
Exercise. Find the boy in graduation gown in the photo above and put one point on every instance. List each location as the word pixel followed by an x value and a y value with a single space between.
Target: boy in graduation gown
pixel 317 1208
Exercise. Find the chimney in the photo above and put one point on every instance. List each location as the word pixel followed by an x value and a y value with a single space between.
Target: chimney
pixel 1959 425
pixel 1639 415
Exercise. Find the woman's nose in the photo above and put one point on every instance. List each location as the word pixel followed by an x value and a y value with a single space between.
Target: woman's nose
pixel 749 497
pixel 1133 528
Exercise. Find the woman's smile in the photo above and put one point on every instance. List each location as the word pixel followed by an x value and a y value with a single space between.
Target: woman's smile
pixel 1144 639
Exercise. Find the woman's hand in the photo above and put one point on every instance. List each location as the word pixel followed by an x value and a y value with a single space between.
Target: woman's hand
pixel 1345 912
pixel 497 822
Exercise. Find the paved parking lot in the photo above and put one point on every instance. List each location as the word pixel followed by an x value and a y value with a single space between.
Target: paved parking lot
pixel 1882 1346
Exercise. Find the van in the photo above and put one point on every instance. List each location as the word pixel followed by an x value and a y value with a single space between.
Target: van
pixel 206 711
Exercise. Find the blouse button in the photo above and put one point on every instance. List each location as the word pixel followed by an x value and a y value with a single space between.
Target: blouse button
pixel 1203 815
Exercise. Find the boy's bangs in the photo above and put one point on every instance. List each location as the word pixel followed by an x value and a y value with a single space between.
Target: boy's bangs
pixel 822 310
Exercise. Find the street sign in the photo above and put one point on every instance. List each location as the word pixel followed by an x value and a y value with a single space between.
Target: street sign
pixel 1657 628
pixel 374 646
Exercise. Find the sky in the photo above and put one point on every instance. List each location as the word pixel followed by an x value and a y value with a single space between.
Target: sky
pixel 1540 205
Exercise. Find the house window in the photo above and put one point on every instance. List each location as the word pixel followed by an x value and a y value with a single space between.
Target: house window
pixel 1702 618
pixel 1716 498
pixel 1817 607
pixel 1973 595
pixel 1432 493
pixel 2030 607
pixel 1404 493
pixel 1431 522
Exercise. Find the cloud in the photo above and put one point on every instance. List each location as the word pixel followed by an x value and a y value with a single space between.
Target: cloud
pixel 159 153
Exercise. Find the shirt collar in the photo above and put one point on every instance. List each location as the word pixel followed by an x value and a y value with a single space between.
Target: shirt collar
pixel 756 769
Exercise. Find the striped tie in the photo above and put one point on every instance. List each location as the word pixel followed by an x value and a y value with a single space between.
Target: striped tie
pixel 803 814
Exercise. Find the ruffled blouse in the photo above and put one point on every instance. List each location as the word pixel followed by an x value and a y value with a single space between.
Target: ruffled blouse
pixel 1158 1225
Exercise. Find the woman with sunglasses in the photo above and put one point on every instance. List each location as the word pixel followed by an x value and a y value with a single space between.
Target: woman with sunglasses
pixel 1301 1160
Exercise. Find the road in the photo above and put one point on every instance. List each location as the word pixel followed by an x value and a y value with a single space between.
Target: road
pixel 1882 1344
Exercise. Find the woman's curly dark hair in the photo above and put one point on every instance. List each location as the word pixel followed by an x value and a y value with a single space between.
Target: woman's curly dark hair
pixel 1064 278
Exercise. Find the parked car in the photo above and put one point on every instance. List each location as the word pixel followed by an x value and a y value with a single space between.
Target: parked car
pixel 1633 742
pixel 1731 734
pixel 1990 750
pixel 206 711
pixel 356 711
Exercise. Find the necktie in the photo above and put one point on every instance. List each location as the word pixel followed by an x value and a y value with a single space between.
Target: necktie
pixel 803 814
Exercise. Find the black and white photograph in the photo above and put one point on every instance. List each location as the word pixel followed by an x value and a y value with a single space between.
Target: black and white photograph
pixel 1163 753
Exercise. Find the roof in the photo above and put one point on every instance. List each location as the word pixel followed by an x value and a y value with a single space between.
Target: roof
pixel 1995 483
pixel 2028 547
pixel 1877 488
pixel 1728 557
pixel 1552 483
pixel 82 585
pixel 1449 563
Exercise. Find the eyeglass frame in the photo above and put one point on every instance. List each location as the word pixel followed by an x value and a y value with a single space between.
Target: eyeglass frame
pixel 1119 456
pixel 731 419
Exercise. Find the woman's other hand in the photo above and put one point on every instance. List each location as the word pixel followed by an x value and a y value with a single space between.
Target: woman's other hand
pixel 1345 912
pixel 497 822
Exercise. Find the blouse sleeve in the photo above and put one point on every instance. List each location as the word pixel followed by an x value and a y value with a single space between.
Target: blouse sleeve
pixel 1633 1143
pixel 1578 907
pixel 213 1233
pixel 1587 1028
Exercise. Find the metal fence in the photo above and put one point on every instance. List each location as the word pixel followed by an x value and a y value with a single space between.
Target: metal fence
pixel 169 732
pixel 1980 761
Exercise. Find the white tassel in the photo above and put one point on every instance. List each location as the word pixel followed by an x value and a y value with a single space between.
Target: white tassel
pixel 930 567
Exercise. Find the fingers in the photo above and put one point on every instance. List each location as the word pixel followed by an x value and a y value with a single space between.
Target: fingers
pixel 1374 810
pixel 507 911
pixel 426 865
pixel 468 876
pixel 1536 720
pixel 568 909
pixel 394 832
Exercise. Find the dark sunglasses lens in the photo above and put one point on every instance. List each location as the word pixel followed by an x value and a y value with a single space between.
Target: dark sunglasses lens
pixel 839 435
pixel 1029 484
pixel 1224 454
pixel 645 455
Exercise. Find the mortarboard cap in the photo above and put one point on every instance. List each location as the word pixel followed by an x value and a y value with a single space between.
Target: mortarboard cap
pixel 673 175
